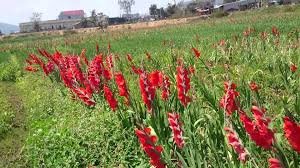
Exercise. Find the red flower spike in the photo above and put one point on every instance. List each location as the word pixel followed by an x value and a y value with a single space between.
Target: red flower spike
pixel 109 61
pixel 175 125
pixel 121 83
pixel 292 133
pixel 228 101
pixel 83 56
pixel 197 53
pixel 254 87
pixel 274 163
pixel 107 74
pixel 165 86
pixel 154 78
pixel 275 31
pixel 31 69
pixel 84 95
pixel 95 71
pixel 136 70
pixel 183 85
pixel 152 151
pixel 293 68
pixel 129 57
pixel 192 69
pixel 258 129
pixel 236 144
pixel 109 96
pixel 147 90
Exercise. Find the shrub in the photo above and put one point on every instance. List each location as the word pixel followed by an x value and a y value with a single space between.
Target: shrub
pixel 220 14
pixel 9 71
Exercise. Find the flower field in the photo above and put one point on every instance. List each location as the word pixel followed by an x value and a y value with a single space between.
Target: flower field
pixel 216 93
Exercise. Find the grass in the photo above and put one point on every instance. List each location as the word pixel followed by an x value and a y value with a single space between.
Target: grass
pixel 12 130
pixel 65 133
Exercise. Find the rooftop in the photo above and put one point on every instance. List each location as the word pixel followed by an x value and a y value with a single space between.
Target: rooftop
pixel 73 12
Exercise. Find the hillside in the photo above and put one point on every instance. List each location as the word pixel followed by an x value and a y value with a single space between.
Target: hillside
pixel 8 28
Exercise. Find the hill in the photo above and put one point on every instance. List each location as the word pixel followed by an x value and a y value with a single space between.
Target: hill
pixel 8 28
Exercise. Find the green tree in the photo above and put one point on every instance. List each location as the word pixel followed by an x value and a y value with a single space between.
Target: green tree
pixel 153 10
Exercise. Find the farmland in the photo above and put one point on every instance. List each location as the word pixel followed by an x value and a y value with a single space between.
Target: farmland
pixel 222 92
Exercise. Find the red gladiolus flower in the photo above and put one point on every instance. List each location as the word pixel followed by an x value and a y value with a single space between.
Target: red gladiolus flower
pixel 121 83
pixel 292 133
pixel 147 142
pixel 29 62
pixel 147 90
pixel 197 53
pixel 222 42
pixel 192 70
pixel 154 78
pixel 31 69
pixel 183 85
pixel 274 163
pixel 176 128
pixel 165 86
pixel 84 95
pixel 254 87
pixel 136 70
pixel 258 129
pixel 83 56
pixel 109 96
pixel 95 71
pixel 228 101
pixel 236 144
pixel 109 61
pixel 107 74
pixel 293 68
pixel 49 68
pixel 129 57
pixel 275 31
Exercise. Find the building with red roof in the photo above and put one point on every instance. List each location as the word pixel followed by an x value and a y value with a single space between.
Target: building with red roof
pixel 70 15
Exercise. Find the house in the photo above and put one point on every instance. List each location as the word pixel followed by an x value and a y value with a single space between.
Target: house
pixel 66 20
pixel 73 14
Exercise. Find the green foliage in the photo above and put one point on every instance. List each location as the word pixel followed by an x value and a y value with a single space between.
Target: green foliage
pixel 63 133
pixel 9 71
pixel 219 14
pixel 6 113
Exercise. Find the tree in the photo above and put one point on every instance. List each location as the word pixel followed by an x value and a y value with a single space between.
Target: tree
pixel 36 18
pixel 94 16
pixel 171 9
pixel 1 34
pixel 126 5
pixel 153 10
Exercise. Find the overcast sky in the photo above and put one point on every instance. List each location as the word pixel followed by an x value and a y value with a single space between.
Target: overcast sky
pixel 17 11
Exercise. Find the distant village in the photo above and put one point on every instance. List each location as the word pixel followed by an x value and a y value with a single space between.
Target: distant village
pixel 75 19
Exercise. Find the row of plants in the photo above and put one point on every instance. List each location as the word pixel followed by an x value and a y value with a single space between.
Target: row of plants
pixel 175 101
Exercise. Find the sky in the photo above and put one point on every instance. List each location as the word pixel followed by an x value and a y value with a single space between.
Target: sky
pixel 18 11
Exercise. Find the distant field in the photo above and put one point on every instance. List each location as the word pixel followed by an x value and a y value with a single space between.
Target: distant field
pixel 58 127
